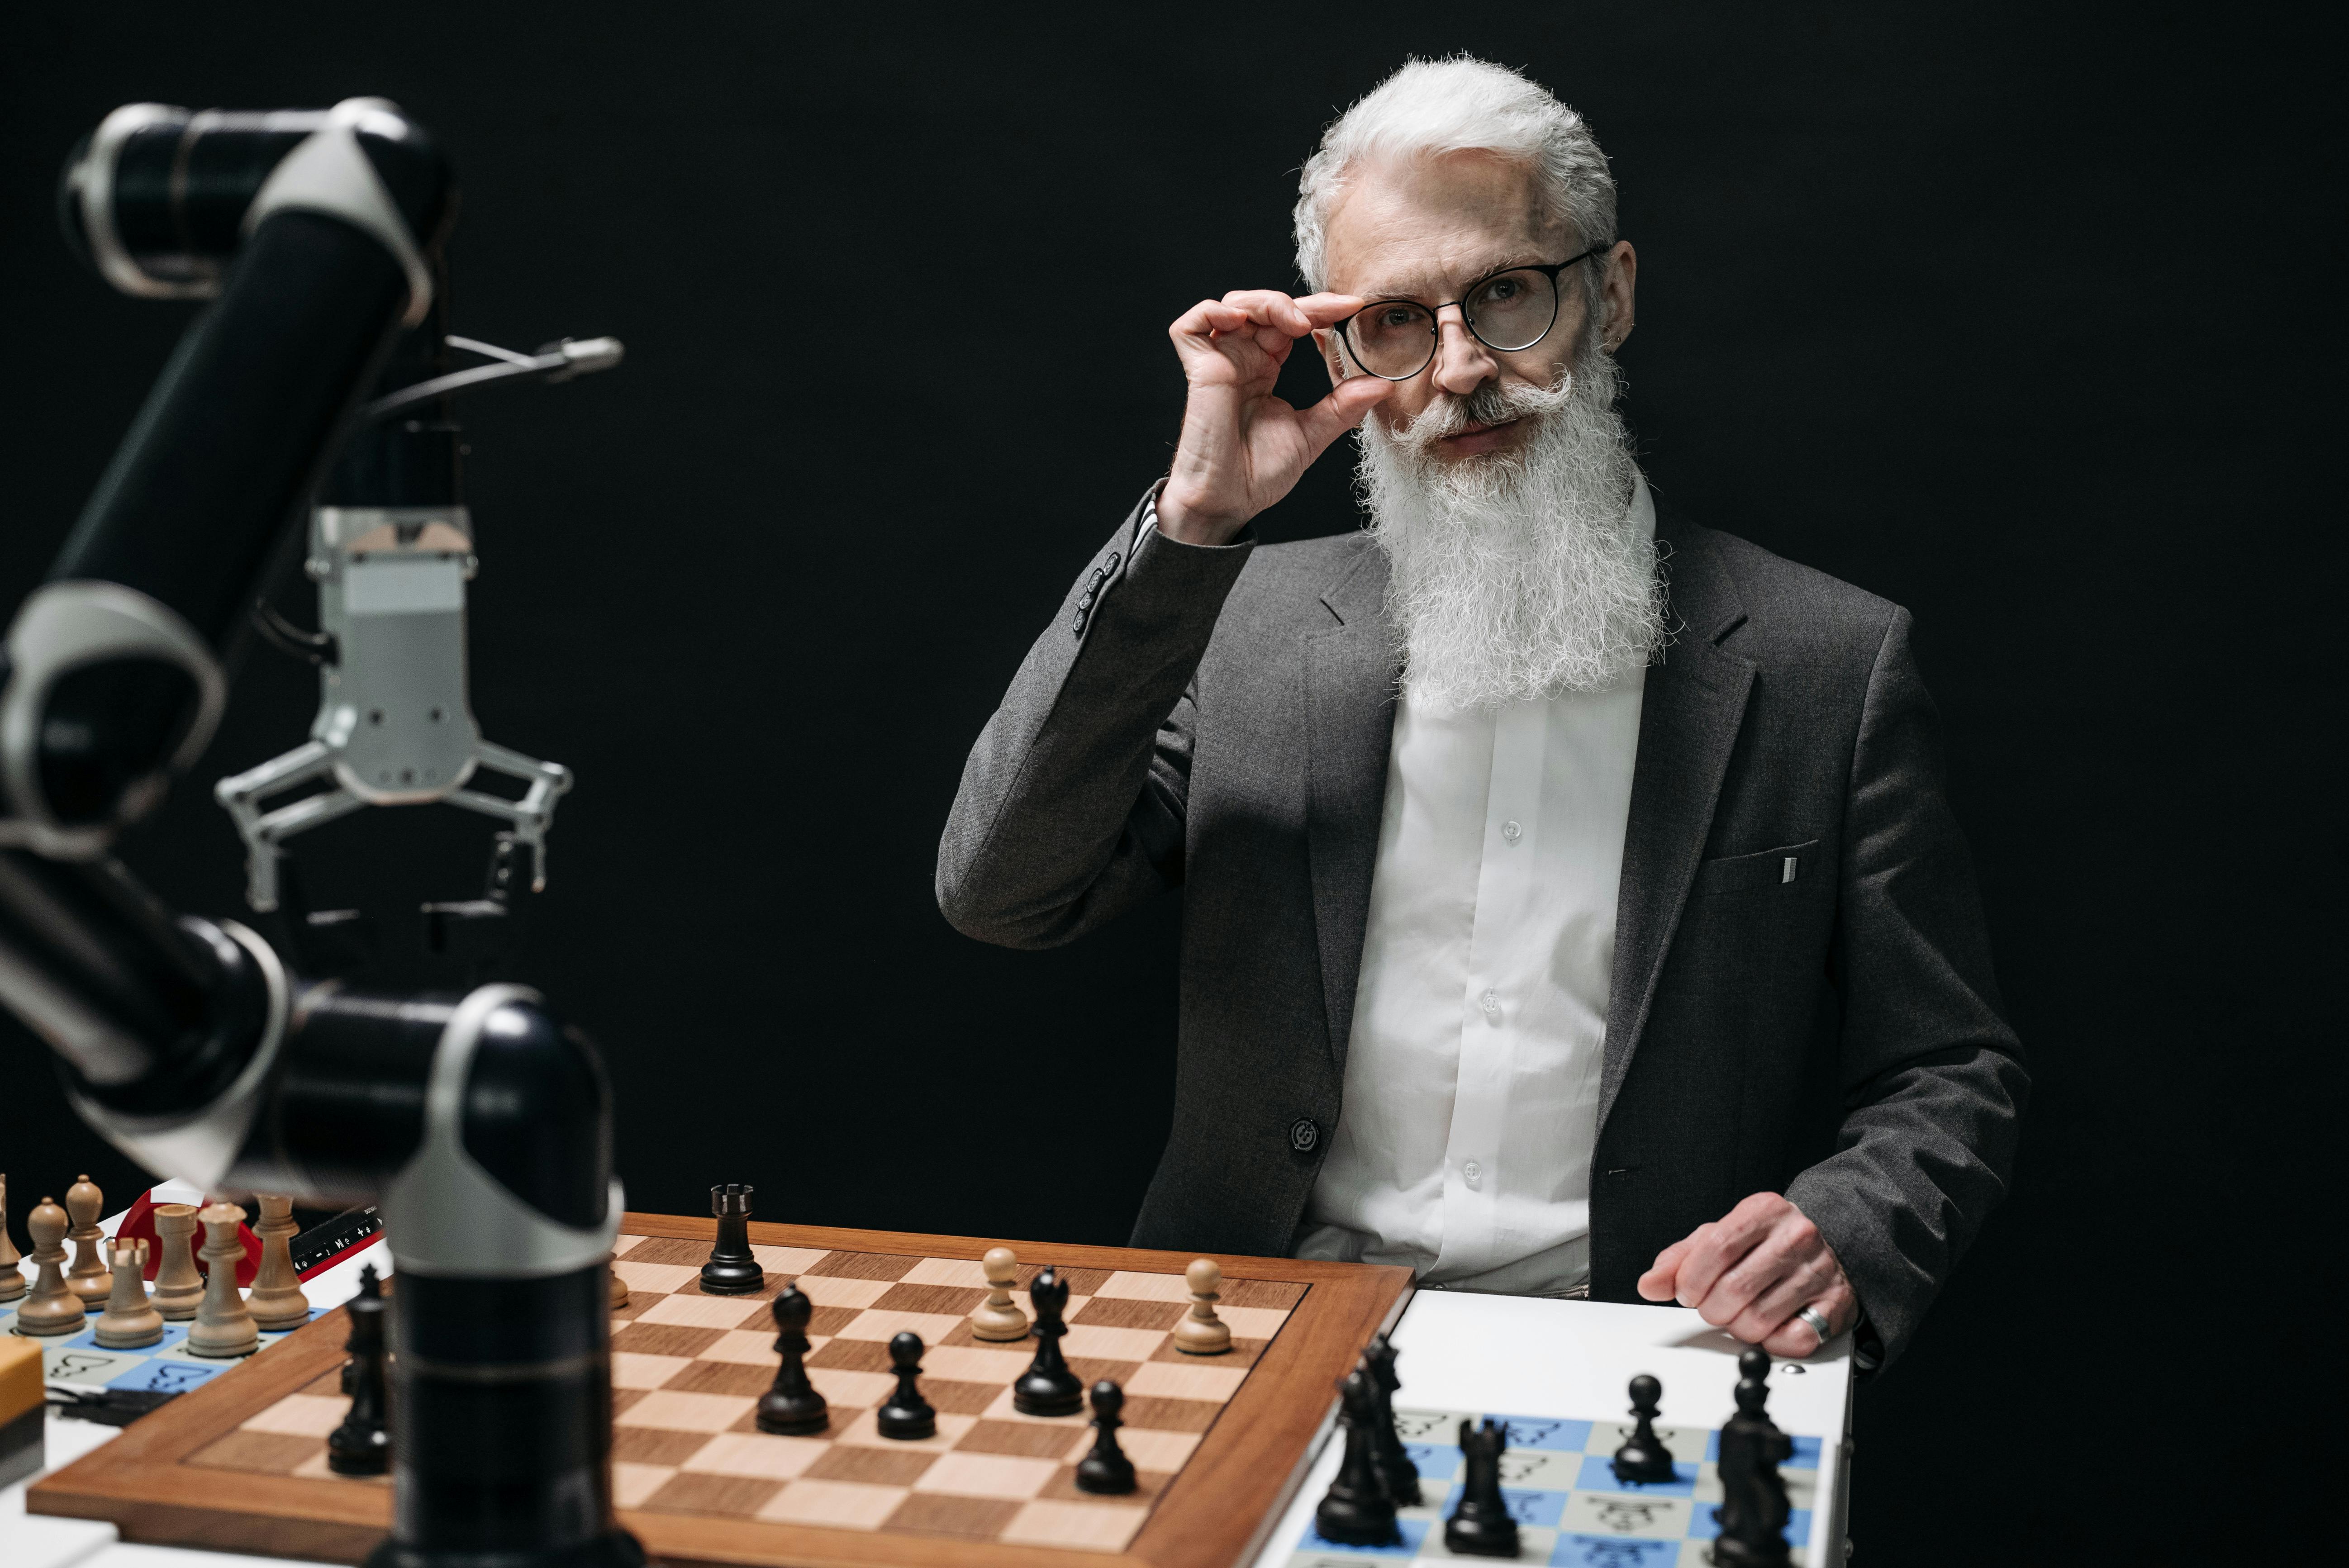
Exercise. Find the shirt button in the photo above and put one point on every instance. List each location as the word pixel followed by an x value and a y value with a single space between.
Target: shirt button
pixel 1472 1170
pixel 1491 1003
pixel 1511 831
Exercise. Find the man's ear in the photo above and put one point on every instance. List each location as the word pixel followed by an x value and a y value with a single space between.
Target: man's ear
pixel 1620 293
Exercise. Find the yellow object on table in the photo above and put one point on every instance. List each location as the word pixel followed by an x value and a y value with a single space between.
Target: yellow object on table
pixel 20 1378
pixel 22 1417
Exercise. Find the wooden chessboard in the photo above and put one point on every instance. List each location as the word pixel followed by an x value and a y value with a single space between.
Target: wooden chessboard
pixel 1220 1442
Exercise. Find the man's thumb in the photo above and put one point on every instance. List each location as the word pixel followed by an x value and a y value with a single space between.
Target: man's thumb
pixel 1342 409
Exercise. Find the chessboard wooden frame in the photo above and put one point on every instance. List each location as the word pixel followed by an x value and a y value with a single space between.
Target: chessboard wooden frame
pixel 1217 1513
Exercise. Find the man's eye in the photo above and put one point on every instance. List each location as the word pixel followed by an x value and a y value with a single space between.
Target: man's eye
pixel 1397 316
pixel 1501 289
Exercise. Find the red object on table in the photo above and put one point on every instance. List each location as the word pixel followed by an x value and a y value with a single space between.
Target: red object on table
pixel 139 1223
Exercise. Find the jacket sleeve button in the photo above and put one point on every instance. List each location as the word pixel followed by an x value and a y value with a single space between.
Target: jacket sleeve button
pixel 1303 1135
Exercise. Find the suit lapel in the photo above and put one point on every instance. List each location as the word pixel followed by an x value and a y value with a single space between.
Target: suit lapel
pixel 1689 719
pixel 1350 688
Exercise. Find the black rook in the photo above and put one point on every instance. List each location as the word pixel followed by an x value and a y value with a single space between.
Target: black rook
pixel 731 1270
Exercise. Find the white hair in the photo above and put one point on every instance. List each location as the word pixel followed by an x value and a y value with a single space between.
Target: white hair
pixel 1458 105
pixel 1515 575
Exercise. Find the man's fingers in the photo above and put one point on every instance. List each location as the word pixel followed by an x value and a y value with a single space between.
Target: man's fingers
pixel 1662 1278
pixel 1793 1338
pixel 1197 329
pixel 1341 411
pixel 1272 308
pixel 1719 1247
pixel 1724 1243
pixel 1293 316
pixel 1330 309
pixel 1802 1282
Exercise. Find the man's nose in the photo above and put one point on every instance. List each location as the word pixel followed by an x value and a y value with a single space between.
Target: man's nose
pixel 1462 363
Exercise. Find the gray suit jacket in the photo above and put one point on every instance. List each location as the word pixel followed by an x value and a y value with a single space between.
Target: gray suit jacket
pixel 1218 720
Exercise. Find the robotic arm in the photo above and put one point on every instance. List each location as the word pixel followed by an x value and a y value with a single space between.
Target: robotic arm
pixel 391 558
pixel 479 1122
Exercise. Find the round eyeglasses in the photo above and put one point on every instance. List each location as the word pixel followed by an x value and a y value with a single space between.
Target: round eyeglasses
pixel 1513 309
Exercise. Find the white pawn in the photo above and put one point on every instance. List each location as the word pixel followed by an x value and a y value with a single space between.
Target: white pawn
pixel 88 1278
pixel 996 1317
pixel 179 1283
pixel 276 1301
pixel 1201 1332
pixel 224 1328
pixel 130 1319
pixel 12 1278
pixel 52 1307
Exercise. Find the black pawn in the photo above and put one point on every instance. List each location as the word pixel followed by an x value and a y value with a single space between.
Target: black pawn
pixel 1106 1469
pixel 1482 1525
pixel 1753 1507
pixel 1387 1452
pixel 792 1406
pixel 1048 1387
pixel 1643 1458
pixel 1357 1510
pixel 731 1270
pixel 362 1444
pixel 908 1414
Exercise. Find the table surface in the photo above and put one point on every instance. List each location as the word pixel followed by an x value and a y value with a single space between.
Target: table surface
pixel 1458 1351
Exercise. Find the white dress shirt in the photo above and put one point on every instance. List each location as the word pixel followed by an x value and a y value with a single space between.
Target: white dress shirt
pixel 1464 1146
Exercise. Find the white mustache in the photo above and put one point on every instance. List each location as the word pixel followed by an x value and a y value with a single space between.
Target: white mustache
pixel 1493 403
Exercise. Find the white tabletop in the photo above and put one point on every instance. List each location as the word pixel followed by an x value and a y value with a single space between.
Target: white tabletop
pixel 1457 1351
pixel 1530 1357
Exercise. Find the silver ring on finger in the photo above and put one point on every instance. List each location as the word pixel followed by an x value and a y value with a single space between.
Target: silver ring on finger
pixel 1816 1321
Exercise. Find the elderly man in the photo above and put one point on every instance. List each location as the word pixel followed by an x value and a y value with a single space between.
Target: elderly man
pixel 1571 901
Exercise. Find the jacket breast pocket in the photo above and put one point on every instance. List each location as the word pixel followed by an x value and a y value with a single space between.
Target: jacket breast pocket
pixel 1763 868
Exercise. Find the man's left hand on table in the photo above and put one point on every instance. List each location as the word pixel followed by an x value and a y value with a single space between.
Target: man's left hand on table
pixel 1750 1272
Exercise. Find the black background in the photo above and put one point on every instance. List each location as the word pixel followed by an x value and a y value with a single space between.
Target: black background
pixel 2021 316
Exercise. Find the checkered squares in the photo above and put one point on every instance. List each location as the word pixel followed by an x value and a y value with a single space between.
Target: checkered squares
pixel 687 1370
pixel 1561 1486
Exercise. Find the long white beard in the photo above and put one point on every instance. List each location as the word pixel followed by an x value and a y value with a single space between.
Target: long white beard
pixel 1519 574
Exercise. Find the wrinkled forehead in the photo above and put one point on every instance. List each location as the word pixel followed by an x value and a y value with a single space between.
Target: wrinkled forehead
pixel 1424 228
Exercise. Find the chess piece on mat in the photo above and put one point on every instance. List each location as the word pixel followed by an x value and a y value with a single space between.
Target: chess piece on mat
pixel 52 1309
pixel 1643 1458
pixel 362 1444
pixel 11 1279
pixel 89 1278
pixel 1356 1510
pixel 276 1301
pixel 223 1329
pixel 996 1317
pixel 1387 1451
pixel 178 1285
pixel 1482 1525
pixel 130 1319
pixel 1754 1509
pixel 1106 1469
pixel 1201 1332
pixel 792 1408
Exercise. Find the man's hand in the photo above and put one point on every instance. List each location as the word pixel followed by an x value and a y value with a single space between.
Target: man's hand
pixel 1242 448
pixel 1750 1272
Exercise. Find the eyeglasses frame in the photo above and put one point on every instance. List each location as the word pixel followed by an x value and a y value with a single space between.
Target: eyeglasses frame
pixel 1435 324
